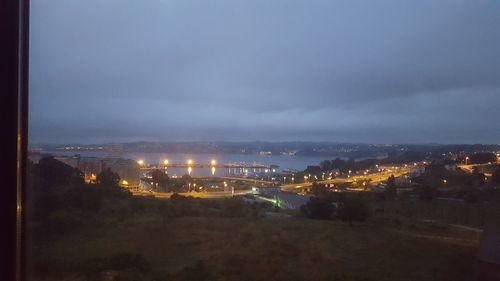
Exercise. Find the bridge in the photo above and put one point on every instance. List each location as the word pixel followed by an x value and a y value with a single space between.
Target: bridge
pixel 249 180
pixel 211 165
pixel 373 178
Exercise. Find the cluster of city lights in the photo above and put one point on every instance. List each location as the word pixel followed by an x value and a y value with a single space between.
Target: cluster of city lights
pixel 190 162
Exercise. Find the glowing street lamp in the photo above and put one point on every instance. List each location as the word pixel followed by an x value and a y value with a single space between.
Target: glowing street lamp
pixel 140 162
pixel 165 162
pixel 213 162
pixel 466 159
pixel 190 162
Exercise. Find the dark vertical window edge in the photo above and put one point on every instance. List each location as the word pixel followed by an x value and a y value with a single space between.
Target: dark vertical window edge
pixel 22 137
pixel 14 50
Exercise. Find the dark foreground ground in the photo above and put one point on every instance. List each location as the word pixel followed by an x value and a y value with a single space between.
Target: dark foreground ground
pixel 231 241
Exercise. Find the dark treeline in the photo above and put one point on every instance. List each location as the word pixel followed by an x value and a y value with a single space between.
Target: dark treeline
pixel 60 204
pixel 351 165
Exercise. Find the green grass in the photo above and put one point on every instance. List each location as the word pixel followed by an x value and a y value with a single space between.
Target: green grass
pixel 472 215
pixel 220 248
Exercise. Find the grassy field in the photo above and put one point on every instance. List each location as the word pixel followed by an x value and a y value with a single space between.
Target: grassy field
pixel 472 215
pixel 147 246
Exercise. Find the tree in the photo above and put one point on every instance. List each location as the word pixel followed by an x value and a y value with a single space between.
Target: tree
pixel 391 187
pixel 326 165
pixel 353 208
pixel 471 194
pixel 52 172
pixel 482 158
pixel 108 178
pixel 496 176
pixel 427 193
pixel 319 189
pixel 477 178
pixel 318 208
pixel 187 181
pixel 160 179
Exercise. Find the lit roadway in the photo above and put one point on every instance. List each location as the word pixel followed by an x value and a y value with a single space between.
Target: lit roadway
pixel 374 178
pixel 298 187
pixel 237 179
pixel 211 194
pixel 470 168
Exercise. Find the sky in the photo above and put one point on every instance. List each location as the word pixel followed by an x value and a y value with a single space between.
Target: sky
pixel 271 70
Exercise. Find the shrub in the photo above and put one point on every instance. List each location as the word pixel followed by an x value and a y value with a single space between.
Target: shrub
pixel 83 198
pixel 353 208
pixel 318 208
pixel 61 222
pixel 234 207
pixel 92 268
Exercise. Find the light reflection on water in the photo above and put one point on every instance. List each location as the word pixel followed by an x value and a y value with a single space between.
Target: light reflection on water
pixel 283 161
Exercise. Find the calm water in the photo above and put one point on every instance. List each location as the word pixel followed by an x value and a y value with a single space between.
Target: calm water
pixel 284 162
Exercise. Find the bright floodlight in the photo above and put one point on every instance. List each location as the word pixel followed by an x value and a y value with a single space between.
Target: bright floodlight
pixel 190 162
pixel 213 162
pixel 165 162
pixel 140 162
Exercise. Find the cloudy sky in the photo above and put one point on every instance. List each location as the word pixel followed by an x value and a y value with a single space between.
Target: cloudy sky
pixel 276 70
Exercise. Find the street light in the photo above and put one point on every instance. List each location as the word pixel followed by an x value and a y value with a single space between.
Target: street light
pixel 190 162
pixel 140 162
pixel 466 159
pixel 165 162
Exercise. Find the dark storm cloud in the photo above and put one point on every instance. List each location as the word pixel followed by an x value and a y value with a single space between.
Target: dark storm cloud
pixel 371 71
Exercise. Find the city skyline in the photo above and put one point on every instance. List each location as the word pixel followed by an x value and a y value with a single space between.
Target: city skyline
pixel 385 72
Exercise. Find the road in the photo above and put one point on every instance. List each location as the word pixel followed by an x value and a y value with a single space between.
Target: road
pixel 214 194
pixel 238 179
pixel 470 168
pixel 374 178
pixel 298 187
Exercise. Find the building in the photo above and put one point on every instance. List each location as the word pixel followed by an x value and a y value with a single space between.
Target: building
pixel 403 181
pixel 416 171
pixel 287 200
pixel 451 167
pixel 265 190
pixel 145 184
pixel 127 169
pixel 72 161
pixel 90 167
